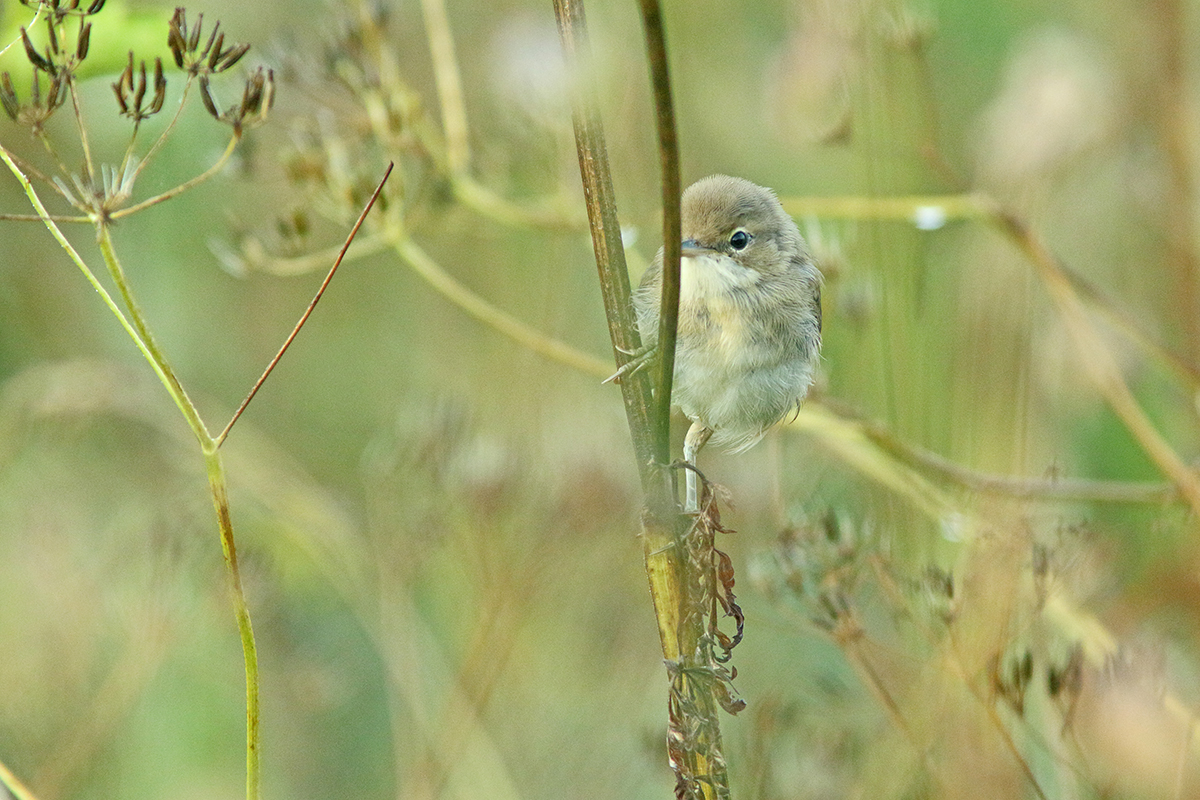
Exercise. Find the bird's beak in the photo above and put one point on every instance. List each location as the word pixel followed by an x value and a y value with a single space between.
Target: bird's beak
pixel 690 248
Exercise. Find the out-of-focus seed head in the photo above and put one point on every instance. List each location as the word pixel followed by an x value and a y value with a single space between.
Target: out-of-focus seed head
pixel 258 96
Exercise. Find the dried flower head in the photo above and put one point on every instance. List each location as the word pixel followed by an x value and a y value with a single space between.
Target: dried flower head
pixel 257 98
pixel 185 46
pixel 41 106
pixel 63 8
pixel 131 89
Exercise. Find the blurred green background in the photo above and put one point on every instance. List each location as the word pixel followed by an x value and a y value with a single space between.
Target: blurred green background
pixel 437 525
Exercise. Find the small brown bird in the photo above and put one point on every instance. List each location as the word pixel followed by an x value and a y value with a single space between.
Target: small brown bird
pixel 749 335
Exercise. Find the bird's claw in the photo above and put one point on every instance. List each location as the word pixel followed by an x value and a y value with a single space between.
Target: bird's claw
pixel 639 359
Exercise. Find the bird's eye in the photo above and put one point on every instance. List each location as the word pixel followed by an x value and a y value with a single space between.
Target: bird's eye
pixel 740 240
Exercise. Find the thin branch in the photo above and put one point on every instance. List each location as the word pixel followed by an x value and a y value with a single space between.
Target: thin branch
pixel 525 335
pixel 1053 489
pixel 367 244
pixel 311 306
pixel 88 164
pixel 37 14
pixel 241 609
pixel 183 187
pixel 543 214
pixel 162 137
pixel 117 273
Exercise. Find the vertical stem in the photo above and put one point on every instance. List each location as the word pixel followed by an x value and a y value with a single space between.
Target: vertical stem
pixel 668 152
pixel 606 236
pixel 217 485
pixel 693 743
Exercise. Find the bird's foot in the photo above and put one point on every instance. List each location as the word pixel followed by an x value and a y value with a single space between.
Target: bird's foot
pixel 639 360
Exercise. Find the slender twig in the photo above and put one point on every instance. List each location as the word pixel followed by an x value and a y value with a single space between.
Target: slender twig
pixel 183 187
pixel 692 704
pixel 366 244
pixel 162 137
pixel 37 14
pixel 88 165
pixel 606 231
pixel 544 214
pixel 311 306
pixel 241 609
pixel 908 455
pixel 215 470
pixel 488 314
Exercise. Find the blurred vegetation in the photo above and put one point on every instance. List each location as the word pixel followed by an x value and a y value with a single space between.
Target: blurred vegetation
pixel 968 568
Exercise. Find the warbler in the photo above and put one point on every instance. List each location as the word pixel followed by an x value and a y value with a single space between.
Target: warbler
pixel 749 332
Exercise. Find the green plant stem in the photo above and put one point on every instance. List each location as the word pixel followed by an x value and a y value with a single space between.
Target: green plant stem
pixel 695 729
pixel 150 346
pixel 162 137
pixel 88 163
pixel 183 187
pixel 217 485
pixel 693 743
pixel 668 149
pixel 91 278
pixel 446 285
pixel 140 334
pixel 17 789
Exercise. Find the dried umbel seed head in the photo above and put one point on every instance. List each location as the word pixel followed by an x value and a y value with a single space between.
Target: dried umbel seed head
pixel 257 98
pixel 59 57
pixel 185 46
pixel 40 107
pixel 62 8
pixel 132 86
